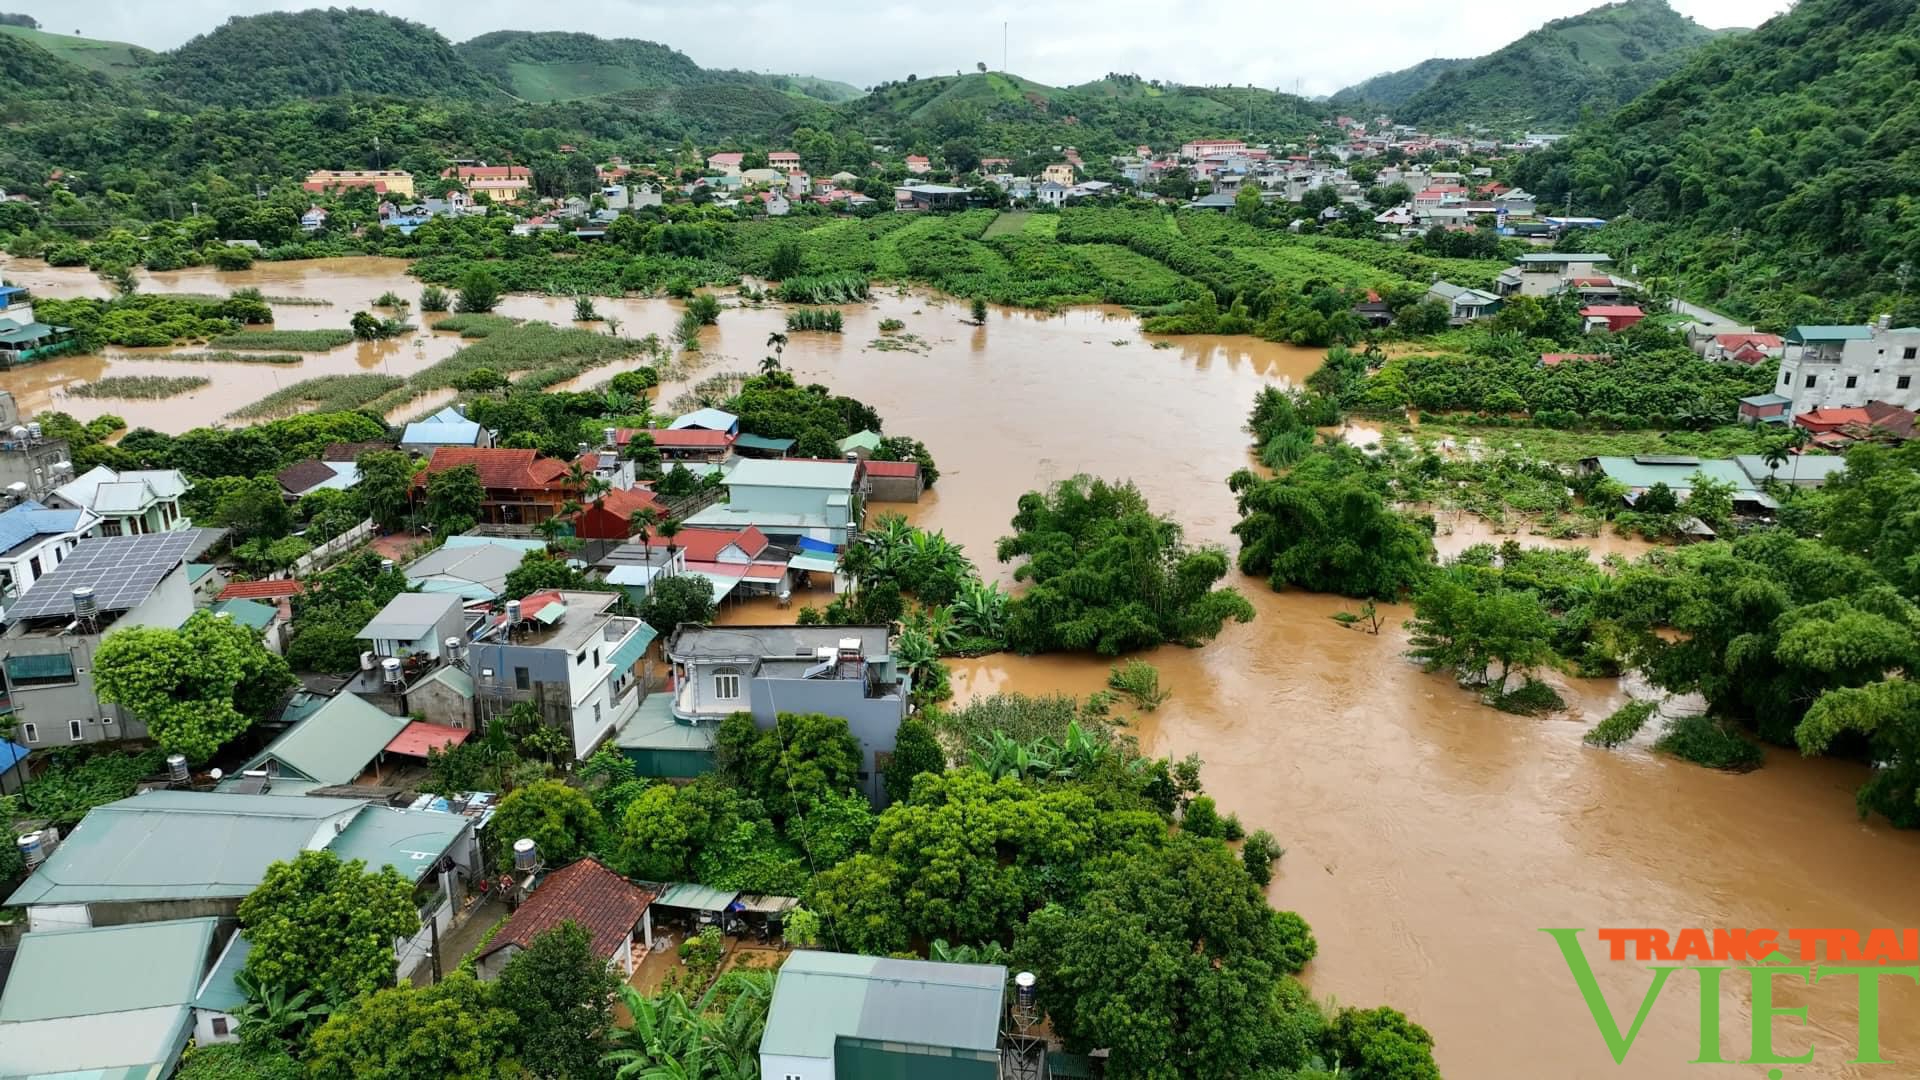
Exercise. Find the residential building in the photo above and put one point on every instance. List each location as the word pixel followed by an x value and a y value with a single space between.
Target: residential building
pixel 1546 273
pixel 474 568
pixel 1375 311
pixel 844 671
pixel 783 160
pixel 837 1015
pixel 613 516
pixel 24 338
pixel 266 619
pixel 129 503
pixel 305 477
pixel 502 183
pixel 918 165
pixel 707 420
pixel 521 487
pixel 33 541
pixel 187 854
pixel 725 164
pixel 448 427
pixel 1765 409
pixel 1059 173
pixel 1743 348
pixel 329 747
pixel 1851 365
pixel 415 625
pixel 1199 148
pixel 790 498
pixel 109 1001
pixel 55 627
pixel 384 181
pixel 684 444
pixel 1676 471
pixel 612 910
pixel 1610 318
pixel 1052 193
pixel 894 481
pixel 776 203
pixel 932 196
pixel 31 465
pixel 860 444
pixel 314 219
pixel 641 196
pixel 1463 305
pixel 565 653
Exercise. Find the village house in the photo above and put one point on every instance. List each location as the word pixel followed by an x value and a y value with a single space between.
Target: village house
pixel 565 653
pixel 1199 148
pixel 725 164
pixel 932 196
pixel 382 181
pixel 34 541
pixel 918 165
pixel 521 488
pixel 415 624
pixel 334 745
pixel 1546 273
pixel 767 670
pixel 1058 173
pixel 1743 348
pixel 54 629
pixel 474 568
pixel 24 338
pixel 790 498
pixel 1765 409
pixel 313 220
pixel 305 477
pixel 783 160
pixel 1610 318
pixel 129 503
pixel 836 1014
pixel 613 515
pixel 1850 365
pixel 1463 305
pixel 501 183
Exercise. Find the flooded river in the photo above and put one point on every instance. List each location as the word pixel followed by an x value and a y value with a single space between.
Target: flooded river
pixel 1428 838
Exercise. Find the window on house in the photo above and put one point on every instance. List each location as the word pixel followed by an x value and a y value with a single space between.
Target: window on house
pixel 596 658
pixel 44 669
pixel 33 564
pixel 1785 377
pixel 1910 352
pixel 219 1027
pixel 31 732
pixel 521 679
pixel 726 684
pixel 73 729
pixel 581 659
pixel 1905 381
pixel 1810 382
pixel 1853 381
pixel 596 713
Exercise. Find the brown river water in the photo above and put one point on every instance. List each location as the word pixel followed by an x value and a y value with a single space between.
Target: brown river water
pixel 1428 838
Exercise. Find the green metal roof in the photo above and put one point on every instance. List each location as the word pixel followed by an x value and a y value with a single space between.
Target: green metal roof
pixel 179 845
pixel 250 613
pixel 1801 334
pixel 762 442
pixel 654 728
pixel 13 334
pixel 143 1044
pixel 107 969
pixel 221 990
pixel 696 897
pixel 410 841
pixel 755 472
pixel 824 564
pixel 861 440
pixel 630 652
pixel 821 997
pixel 198 570
pixel 334 744
pixel 453 678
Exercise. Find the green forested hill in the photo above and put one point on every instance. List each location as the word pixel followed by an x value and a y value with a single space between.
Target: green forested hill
pixel 556 66
pixel 1395 87
pixel 280 56
pixel 996 111
pixel 30 72
pixel 103 57
pixel 1778 171
pixel 1595 61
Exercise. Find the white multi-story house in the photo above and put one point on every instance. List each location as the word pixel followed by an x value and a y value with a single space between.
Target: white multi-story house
pixel 564 653
pixel 130 503
pixel 33 541
pixel 1842 366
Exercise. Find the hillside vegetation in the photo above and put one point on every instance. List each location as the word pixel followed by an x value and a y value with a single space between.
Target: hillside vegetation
pixel 1775 172
pixel 1588 63
pixel 101 57
pixel 280 56
pixel 1395 88
pixel 27 71
pixel 557 66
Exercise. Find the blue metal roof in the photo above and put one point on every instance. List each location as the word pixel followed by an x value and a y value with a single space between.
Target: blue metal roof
pixel 442 433
pixel 11 754
pixel 1801 334
pixel 30 519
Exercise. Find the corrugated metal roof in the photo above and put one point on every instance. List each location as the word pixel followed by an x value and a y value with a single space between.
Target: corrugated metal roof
pixel 221 990
pixel 140 1045
pixel 409 617
pixel 763 442
pixel 334 744
pixel 786 473
pixel 107 969
pixel 410 841
pixel 631 650
pixel 696 897
pixel 710 419
pixel 821 997
pixel 29 519
pixel 177 845
pixel 1800 335
pixel 433 433
pixel 860 440
pixel 653 727
pixel 251 613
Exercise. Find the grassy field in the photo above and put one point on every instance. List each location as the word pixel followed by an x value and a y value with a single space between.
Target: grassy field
pixel 536 355
pixel 147 387
pixel 106 57
pixel 1567 447
pixel 273 340
pixel 227 356
pixel 1007 224
pixel 328 392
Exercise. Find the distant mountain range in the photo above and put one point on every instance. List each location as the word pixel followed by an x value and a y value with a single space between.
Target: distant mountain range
pixel 1571 68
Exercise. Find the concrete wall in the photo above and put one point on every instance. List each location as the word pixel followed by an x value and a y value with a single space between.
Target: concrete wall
pixel 438 703
pixel 873 721
pixel 1876 365
pixel 776 1067
pixel 127 912
pixel 894 489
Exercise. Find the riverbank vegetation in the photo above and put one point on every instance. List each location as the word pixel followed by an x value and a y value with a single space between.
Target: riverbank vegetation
pixel 283 340
pixel 148 387
pixel 151 319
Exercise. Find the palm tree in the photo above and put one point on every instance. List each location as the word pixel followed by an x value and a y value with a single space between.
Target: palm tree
pixel 1798 437
pixel 641 524
pixel 669 529
pixel 769 365
pixel 552 528
pixel 777 341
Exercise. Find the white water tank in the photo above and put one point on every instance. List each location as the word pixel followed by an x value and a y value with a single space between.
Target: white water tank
pixel 33 430
pixel 513 613
pixel 610 435
pixel 31 849
pixel 526 856
pixel 390 673
pixel 454 645
pixel 177 768
pixel 84 606
pixel 366 661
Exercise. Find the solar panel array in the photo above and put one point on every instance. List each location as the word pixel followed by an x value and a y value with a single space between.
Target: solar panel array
pixel 122 571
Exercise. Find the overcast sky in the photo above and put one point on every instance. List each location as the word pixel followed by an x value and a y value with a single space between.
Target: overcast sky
pixel 1312 45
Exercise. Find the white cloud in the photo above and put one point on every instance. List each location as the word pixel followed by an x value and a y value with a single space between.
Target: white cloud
pixel 1317 47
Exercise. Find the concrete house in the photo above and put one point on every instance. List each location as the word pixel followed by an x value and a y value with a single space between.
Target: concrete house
pixel 31 464
pixel 127 503
pixel 767 670
pixel 1545 273
pixel 330 747
pixel 112 1001
pixel 33 541
pixel 1463 305
pixel 519 487
pixel 835 1016
pixel 612 910
pixel 1851 365
pixel 569 656
pixel 790 498
pixel 470 567
pixel 415 623
pixel 54 629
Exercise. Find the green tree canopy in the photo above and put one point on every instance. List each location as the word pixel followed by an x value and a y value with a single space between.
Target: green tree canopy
pixel 457 1029
pixel 558 818
pixel 320 924
pixel 196 687
pixel 563 996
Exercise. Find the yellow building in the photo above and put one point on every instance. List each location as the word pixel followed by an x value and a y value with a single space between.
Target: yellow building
pixel 383 181
pixel 1060 173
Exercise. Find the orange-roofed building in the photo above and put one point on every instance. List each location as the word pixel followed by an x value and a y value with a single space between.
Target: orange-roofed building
pixel 611 516
pixel 383 181
pixel 521 487
pixel 1821 421
pixel 502 183
pixel 612 910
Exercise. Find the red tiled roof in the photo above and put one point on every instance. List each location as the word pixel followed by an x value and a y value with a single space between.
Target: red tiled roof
pixel 757 571
pixel 303 475
pixel 262 590
pixel 418 737
pixel 1603 311
pixel 500 469
pixel 623 503
pixel 705 545
pixel 351 451
pixel 1762 341
pixel 732 158
pixel 1591 282
pixel 1834 417
pixel 893 468
pixel 1555 359
pixel 489 172
pixel 604 904
pixel 691 439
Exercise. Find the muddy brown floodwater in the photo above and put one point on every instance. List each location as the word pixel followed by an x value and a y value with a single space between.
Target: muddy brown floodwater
pixel 1428 838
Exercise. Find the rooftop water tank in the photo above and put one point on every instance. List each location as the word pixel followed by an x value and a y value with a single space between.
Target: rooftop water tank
pixel 177 768
pixel 31 850
pixel 526 856
pixel 84 606
pixel 390 673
